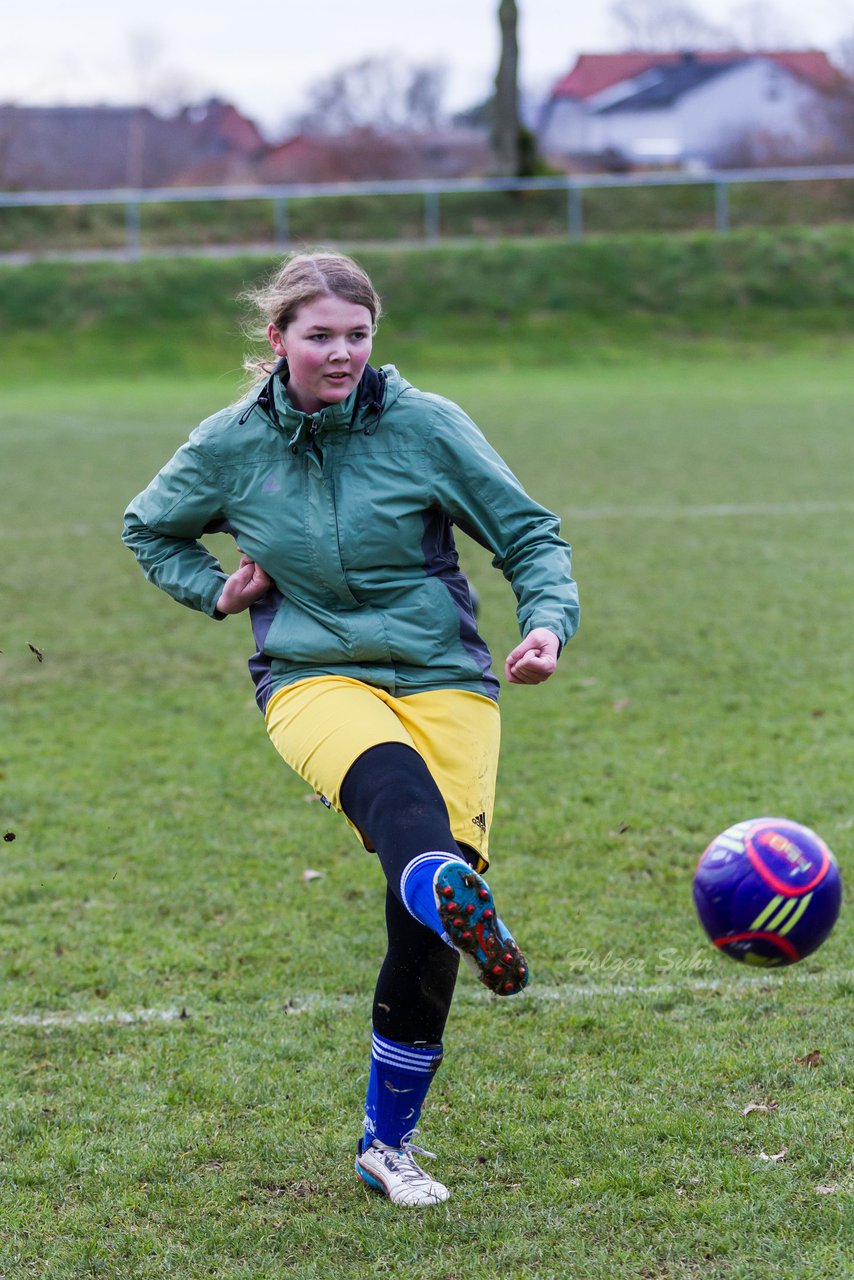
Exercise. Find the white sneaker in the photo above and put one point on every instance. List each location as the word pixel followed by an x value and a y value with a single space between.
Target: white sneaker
pixel 392 1172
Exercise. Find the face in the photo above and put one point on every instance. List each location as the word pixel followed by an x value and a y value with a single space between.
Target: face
pixel 327 345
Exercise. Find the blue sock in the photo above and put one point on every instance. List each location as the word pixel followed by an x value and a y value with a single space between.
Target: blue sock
pixel 400 1076
pixel 416 887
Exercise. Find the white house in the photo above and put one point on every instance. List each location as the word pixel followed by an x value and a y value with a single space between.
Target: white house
pixel 694 108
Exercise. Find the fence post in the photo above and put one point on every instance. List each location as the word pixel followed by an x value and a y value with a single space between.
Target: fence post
pixel 431 216
pixel 575 212
pixel 721 206
pixel 281 227
pixel 133 236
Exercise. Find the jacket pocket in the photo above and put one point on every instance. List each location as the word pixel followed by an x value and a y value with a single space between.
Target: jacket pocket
pixel 317 636
pixel 424 627
pixel 296 635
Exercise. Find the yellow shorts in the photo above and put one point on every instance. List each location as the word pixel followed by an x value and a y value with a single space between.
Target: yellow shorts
pixel 321 726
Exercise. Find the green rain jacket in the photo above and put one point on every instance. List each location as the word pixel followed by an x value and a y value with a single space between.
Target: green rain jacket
pixel 350 512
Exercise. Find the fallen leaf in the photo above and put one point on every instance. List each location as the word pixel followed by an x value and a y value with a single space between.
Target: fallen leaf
pixel 759 1106
pixel 827 1191
pixel 781 1155
pixel 38 652
pixel 308 874
pixel 817 714
pixel 621 704
pixel 813 1059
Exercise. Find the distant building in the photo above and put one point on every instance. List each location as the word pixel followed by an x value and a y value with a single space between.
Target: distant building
pixel 366 155
pixel 212 144
pixel 704 108
pixel 90 148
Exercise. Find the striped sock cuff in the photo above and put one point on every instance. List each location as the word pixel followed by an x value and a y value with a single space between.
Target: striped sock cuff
pixel 437 858
pixel 406 1057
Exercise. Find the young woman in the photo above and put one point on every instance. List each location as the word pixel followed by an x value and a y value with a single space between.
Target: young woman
pixel 341 483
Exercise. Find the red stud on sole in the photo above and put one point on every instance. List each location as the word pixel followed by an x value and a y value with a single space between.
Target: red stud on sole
pixel 468 915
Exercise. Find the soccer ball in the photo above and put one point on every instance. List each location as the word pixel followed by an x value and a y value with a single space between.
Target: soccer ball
pixel 767 891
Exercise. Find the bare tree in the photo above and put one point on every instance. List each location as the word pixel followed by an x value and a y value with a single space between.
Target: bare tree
pixel 154 83
pixel 666 25
pixel 422 97
pixel 376 93
pixel 759 25
pixel 145 50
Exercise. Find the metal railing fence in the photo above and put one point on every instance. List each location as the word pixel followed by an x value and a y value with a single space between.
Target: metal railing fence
pixel 431 192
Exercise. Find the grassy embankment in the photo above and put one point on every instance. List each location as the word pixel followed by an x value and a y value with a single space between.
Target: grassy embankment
pixel 534 302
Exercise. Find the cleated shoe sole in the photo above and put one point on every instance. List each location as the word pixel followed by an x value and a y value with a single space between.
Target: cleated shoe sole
pixel 467 911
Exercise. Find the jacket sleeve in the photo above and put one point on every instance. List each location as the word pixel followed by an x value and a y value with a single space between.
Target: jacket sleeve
pixel 162 526
pixel 484 498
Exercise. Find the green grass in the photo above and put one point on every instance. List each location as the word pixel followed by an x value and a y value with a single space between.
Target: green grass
pixel 593 1128
pixel 607 299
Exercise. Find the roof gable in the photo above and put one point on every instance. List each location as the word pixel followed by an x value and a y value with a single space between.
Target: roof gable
pixel 595 72
pixel 659 87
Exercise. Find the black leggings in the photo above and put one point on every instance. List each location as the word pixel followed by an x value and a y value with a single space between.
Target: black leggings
pixel 391 797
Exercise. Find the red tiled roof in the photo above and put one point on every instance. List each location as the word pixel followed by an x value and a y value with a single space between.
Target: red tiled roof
pixel 364 154
pixel 594 72
pixel 238 129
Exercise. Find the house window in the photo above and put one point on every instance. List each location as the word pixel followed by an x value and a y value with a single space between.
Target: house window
pixel 661 149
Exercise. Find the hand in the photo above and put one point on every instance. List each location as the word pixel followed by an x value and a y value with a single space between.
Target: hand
pixel 535 659
pixel 246 585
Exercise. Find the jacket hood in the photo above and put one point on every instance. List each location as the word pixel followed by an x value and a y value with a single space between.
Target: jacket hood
pixel 363 409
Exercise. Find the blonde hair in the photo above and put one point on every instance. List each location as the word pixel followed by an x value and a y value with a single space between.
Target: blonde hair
pixel 302 278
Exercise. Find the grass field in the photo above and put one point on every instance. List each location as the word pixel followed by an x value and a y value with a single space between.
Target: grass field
pixel 184 1018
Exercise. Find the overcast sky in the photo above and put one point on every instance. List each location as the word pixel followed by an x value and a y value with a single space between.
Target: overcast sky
pixel 263 54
